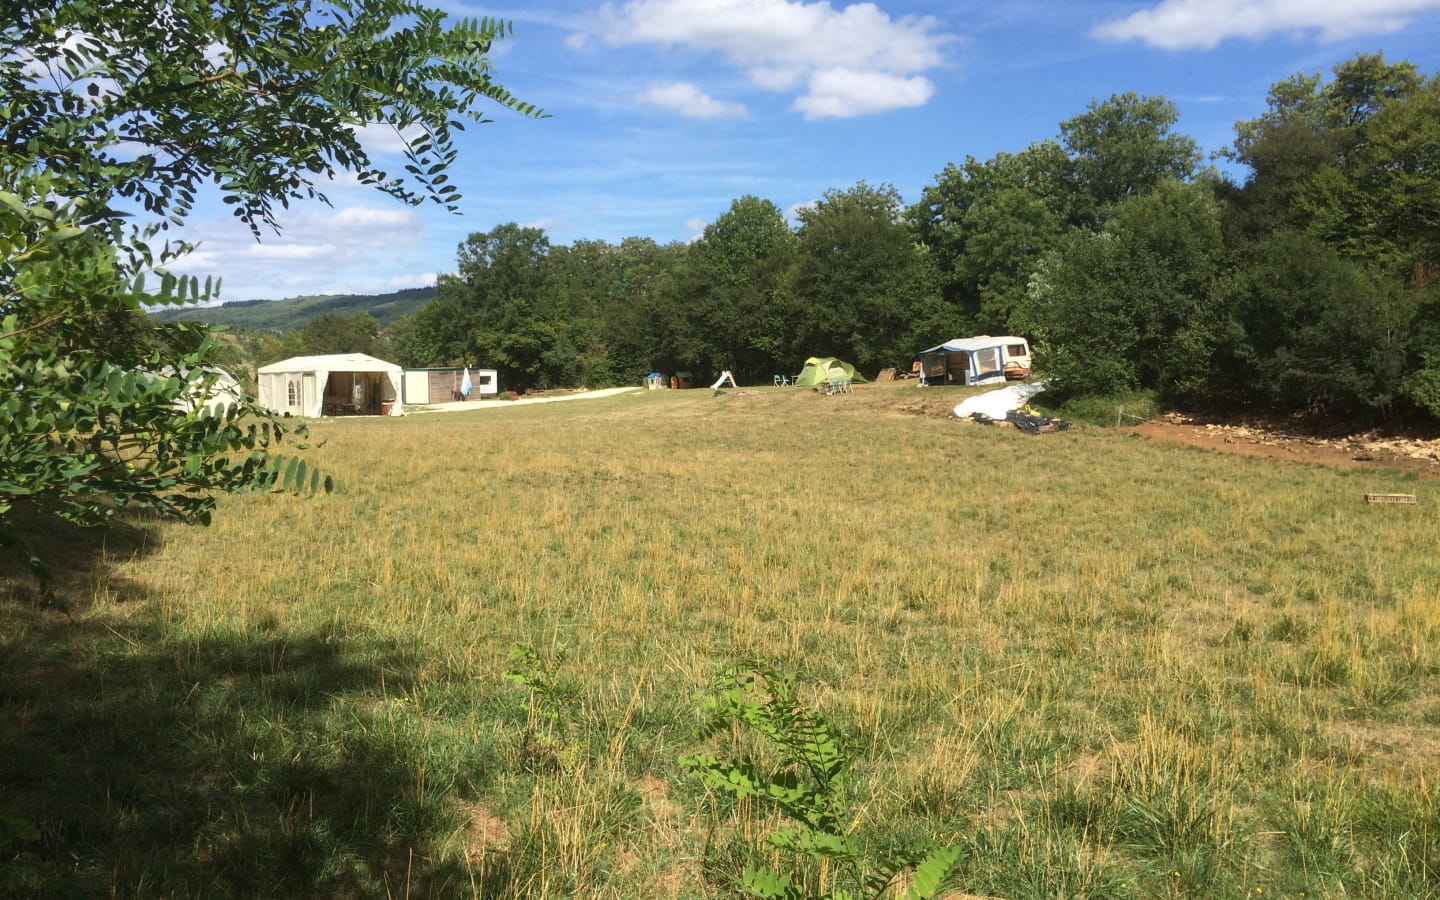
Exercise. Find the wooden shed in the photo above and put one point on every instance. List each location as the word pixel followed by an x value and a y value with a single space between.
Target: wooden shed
pixel 442 385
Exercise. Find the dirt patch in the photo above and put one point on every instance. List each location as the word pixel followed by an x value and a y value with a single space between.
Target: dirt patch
pixel 1364 450
pixel 1096 766
pixel 655 795
pixel 1337 445
pixel 1393 748
pixel 487 831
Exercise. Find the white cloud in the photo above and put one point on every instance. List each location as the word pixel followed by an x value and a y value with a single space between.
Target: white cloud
pixel 320 251
pixel 379 138
pixel 364 218
pixel 1202 24
pixel 689 100
pixel 842 93
pixel 274 251
pixel 781 44
pixel 792 214
pixel 377 285
pixel 548 224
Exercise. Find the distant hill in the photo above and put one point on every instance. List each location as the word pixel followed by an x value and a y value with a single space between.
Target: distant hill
pixel 292 314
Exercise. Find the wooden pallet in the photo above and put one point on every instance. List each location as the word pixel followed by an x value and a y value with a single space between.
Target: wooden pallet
pixel 1407 499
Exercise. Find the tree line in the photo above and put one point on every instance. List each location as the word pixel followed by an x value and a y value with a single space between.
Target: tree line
pixel 1309 286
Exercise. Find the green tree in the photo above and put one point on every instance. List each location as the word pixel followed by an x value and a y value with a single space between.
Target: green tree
pixel 1352 163
pixel 1381 201
pixel 397 337
pixel 738 277
pixel 646 315
pixel 1315 332
pixel 584 279
pixel 496 309
pixel 988 223
pixel 864 289
pixel 1334 155
pixel 333 332
pixel 1009 230
pixel 116 117
pixel 1129 307
pixel 1124 147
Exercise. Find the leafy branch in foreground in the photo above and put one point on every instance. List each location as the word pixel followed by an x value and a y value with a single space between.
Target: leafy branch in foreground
pixel 101 409
pixel 114 117
pixel 806 785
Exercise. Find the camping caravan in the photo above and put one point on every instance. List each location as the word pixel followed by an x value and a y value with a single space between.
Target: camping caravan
pixel 1017 354
pixel 339 384
pixel 820 369
pixel 979 360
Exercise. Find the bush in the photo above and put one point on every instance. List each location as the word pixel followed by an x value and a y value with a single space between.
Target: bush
pixel 1124 408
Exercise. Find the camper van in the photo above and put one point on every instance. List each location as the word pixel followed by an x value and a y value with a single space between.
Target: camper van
pixel 1016 351
pixel 977 360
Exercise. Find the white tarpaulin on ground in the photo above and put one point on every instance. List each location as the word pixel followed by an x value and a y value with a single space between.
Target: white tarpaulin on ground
pixel 996 404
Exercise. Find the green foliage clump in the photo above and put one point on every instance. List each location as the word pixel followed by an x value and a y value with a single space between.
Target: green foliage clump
pixel 806 784
pixel 1118 309
pixel 1124 408
pixel 546 707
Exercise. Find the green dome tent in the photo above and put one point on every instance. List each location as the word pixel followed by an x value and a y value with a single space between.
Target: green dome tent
pixel 820 369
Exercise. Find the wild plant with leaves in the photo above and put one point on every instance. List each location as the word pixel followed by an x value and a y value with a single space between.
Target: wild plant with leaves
pixel 805 783
pixel 548 740
pixel 116 117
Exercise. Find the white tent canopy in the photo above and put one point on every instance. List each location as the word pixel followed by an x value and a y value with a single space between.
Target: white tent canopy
pixel 339 383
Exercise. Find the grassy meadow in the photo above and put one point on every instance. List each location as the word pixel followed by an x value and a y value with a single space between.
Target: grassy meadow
pixel 1102 667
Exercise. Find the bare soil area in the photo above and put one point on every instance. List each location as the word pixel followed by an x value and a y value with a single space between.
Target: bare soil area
pixel 1419 453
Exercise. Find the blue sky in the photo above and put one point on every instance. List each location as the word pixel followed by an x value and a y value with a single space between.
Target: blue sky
pixel 663 111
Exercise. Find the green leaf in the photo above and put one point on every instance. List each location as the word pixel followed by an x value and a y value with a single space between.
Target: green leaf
pixel 933 872
pixel 767 884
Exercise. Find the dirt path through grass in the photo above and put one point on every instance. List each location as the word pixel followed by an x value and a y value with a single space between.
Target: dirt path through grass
pixel 471 405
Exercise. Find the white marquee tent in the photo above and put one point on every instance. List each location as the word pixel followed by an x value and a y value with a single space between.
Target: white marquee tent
pixel 339 384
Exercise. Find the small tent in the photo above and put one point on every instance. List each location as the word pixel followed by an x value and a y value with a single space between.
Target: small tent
pixel 211 392
pixel 208 389
pixel 964 361
pixel 820 369
pixel 338 384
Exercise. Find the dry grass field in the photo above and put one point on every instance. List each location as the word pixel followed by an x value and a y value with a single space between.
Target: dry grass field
pixel 1101 667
